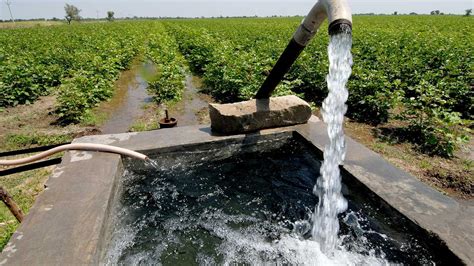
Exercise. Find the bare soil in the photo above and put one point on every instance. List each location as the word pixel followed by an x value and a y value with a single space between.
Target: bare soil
pixel 36 119
pixel 454 177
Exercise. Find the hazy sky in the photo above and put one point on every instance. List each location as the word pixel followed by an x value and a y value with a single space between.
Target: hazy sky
pixel 195 8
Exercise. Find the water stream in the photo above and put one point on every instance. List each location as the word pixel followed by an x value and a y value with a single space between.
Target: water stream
pixel 192 109
pixel 328 188
pixel 127 107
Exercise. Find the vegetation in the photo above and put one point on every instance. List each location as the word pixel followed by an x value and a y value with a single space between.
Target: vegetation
pixel 427 86
pixel 231 71
pixel 79 64
pixel 110 16
pixel 24 141
pixel 24 187
pixel 396 75
pixel 168 82
pixel 72 13
pixel 415 85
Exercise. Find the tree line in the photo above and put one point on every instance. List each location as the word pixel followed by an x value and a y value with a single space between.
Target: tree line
pixel 72 13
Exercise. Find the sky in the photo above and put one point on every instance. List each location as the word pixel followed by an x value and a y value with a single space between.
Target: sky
pixel 27 9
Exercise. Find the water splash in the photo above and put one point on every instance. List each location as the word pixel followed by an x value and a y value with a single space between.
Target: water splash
pixel 199 207
pixel 328 186
pixel 152 163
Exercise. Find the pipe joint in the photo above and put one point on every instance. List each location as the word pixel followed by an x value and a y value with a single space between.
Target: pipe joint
pixel 303 35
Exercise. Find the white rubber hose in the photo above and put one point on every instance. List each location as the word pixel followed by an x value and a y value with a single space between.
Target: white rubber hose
pixel 76 146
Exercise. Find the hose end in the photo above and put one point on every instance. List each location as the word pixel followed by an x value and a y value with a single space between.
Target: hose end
pixel 340 26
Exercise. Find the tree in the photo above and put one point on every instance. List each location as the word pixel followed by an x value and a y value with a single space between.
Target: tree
pixel 435 12
pixel 72 13
pixel 468 12
pixel 395 13
pixel 110 15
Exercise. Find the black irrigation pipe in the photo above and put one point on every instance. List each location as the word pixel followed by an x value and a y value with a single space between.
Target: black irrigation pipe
pixel 31 150
pixel 30 166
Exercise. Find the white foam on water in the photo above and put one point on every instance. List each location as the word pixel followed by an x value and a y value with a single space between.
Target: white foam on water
pixel 249 244
pixel 328 186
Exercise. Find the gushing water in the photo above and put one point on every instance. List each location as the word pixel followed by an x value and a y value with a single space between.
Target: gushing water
pixel 328 186
pixel 152 163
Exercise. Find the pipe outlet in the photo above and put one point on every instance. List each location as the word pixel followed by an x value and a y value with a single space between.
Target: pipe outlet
pixel 337 12
pixel 339 16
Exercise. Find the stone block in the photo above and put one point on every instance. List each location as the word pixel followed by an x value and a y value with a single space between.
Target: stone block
pixel 256 114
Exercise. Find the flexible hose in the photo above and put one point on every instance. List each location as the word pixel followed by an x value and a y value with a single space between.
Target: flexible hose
pixel 76 146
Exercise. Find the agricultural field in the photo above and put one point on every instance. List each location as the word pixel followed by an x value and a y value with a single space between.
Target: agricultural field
pixel 421 76
pixel 29 24
pixel 411 89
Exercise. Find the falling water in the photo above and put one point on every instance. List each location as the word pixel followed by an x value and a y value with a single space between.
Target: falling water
pixel 328 186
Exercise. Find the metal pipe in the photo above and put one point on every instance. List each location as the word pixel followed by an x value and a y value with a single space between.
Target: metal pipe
pixel 340 19
pixel 75 146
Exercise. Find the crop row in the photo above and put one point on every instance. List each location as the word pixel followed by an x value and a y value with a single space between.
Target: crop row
pixel 415 70
pixel 167 82
pixel 82 61
pixel 421 76
pixel 229 73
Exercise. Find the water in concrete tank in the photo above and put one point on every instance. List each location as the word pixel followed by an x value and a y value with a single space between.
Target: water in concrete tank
pixel 325 226
pixel 245 203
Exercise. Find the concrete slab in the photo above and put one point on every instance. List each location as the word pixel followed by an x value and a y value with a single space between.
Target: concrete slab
pixel 66 223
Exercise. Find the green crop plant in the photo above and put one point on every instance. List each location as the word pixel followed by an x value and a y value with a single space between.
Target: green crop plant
pixel 167 84
pixel 417 69
pixel 400 64
pixel 77 63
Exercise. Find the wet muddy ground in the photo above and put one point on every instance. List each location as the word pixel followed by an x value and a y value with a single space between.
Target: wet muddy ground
pixel 128 106
pixel 193 108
